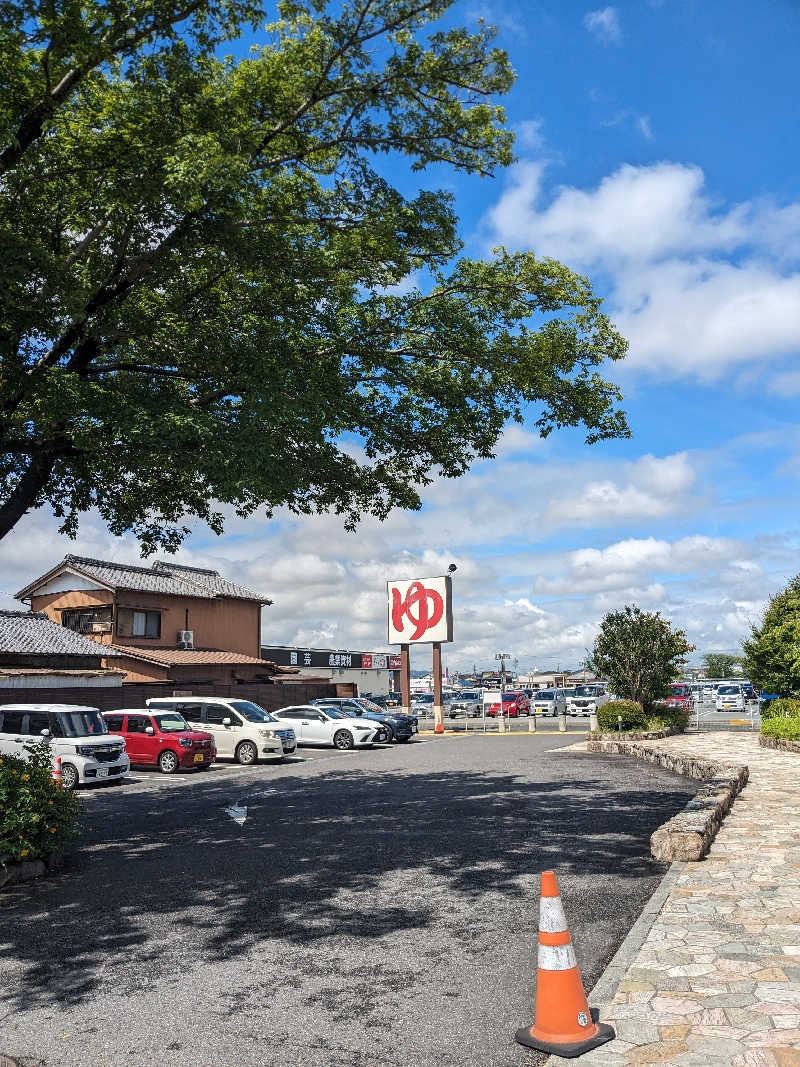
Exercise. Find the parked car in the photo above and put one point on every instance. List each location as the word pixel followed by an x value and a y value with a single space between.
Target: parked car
pixel 329 726
pixel 730 697
pixel 550 702
pixel 750 692
pixel 422 704
pixel 240 729
pixel 680 696
pixel 585 699
pixel 469 702
pixel 76 735
pixel 515 703
pixel 398 727
pixel 162 739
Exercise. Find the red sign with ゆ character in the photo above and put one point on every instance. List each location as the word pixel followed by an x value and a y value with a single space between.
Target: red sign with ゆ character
pixel 420 610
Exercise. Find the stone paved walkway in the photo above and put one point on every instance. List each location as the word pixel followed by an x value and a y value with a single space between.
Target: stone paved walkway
pixel 717 980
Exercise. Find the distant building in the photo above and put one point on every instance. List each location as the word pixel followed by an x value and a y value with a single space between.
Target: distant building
pixel 372 672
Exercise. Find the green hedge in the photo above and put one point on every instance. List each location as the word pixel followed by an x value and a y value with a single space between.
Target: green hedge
pixel 37 815
pixel 785 707
pixel 633 716
pixel 787 729
pixel 664 718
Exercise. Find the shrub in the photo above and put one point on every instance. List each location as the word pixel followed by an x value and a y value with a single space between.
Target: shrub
pixel 664 718
pixel 633 716
pixel 785 707
pixel 37 815
pixel 787 729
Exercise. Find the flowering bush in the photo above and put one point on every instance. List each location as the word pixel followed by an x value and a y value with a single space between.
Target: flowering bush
pixel 37 815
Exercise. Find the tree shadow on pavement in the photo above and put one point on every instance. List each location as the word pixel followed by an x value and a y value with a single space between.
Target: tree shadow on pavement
pixel 349 853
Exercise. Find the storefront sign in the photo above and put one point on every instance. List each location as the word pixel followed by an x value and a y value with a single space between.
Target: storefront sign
pixel 420 610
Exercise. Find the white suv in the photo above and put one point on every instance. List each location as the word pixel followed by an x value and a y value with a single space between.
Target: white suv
pixel 240 728
pixel 76 735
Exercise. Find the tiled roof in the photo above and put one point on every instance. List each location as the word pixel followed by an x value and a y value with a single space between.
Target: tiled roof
pixel 32 633
pixel 169 657
pixel 165 578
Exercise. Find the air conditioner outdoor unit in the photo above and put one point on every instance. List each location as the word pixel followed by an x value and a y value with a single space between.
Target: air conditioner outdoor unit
pixel 101 627
pixel 185 638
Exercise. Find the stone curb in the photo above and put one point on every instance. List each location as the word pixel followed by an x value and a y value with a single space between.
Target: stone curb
pixel 687 835
pixel 12 872
pixel 780 743
pixel 606 985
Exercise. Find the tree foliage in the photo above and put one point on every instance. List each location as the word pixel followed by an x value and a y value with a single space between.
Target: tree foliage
pixel 771 657
pixel 639 653
pixel 214 299
pixel 720 664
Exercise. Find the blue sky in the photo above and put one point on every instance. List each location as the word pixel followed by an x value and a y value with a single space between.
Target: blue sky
pixel 657 146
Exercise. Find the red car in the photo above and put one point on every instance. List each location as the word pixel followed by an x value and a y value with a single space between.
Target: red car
pixel 161 739
pixel 680 696
pixel 514 705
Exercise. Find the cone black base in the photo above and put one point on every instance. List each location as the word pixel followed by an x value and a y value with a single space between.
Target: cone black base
pixel 572 1049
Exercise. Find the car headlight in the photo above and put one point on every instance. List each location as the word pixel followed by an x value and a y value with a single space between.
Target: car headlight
pixel 267 733
pixel 185 742
pixel 363 729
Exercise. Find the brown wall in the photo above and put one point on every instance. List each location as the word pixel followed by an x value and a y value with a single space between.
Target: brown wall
pixel 230 625
pixel 270 697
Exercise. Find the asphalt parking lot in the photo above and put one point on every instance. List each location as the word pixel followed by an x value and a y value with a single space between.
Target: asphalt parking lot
pixel 368 908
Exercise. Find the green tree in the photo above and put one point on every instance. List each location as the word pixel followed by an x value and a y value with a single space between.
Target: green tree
pixel 639 653
pixel 213 299
pixel 771 657
pixel 720 664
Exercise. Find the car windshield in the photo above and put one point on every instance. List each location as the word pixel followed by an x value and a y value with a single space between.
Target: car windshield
pixel 728 690
pixel 509 698
pixel 78 723
pixel 469 694
pixel 171 723
pixel 585 691
pixel 252 712
pixel 423 698
pixel 333 713
pixel 546 694
pixel 680 690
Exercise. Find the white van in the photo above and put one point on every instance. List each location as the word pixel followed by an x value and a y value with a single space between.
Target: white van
pixel 549 702
pixel 78 735
pixel 730 697
pixel 585 699
pixel 241 729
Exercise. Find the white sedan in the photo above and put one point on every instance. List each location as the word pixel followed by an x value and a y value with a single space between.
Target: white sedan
pixel 328 726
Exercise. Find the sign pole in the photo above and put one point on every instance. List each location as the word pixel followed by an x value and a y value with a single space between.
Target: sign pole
pixel 405 679
pixel 438 724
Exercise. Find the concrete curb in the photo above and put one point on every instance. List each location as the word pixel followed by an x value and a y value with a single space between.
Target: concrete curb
pixel 605 987
pixel 687 835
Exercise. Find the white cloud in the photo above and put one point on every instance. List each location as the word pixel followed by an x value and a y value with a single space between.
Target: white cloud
pixel 696 288
pixel 604 24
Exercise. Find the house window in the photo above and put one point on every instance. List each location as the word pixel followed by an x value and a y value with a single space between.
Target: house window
pixel 87 620
pixel 147 624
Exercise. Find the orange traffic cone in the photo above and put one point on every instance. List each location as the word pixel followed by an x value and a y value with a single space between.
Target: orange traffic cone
pixel 57 769
pixel 563 1023
pixel 438 728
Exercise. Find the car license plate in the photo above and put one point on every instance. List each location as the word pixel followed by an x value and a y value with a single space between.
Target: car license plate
pixel 102 772
pixel 199 757
pixel 288 748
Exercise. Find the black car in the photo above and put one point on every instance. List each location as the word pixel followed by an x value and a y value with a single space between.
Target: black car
pixel 399 727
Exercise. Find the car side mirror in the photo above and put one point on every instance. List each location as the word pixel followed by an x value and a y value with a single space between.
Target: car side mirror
pixel 45 732
pixel 149 730
pixel 226 722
